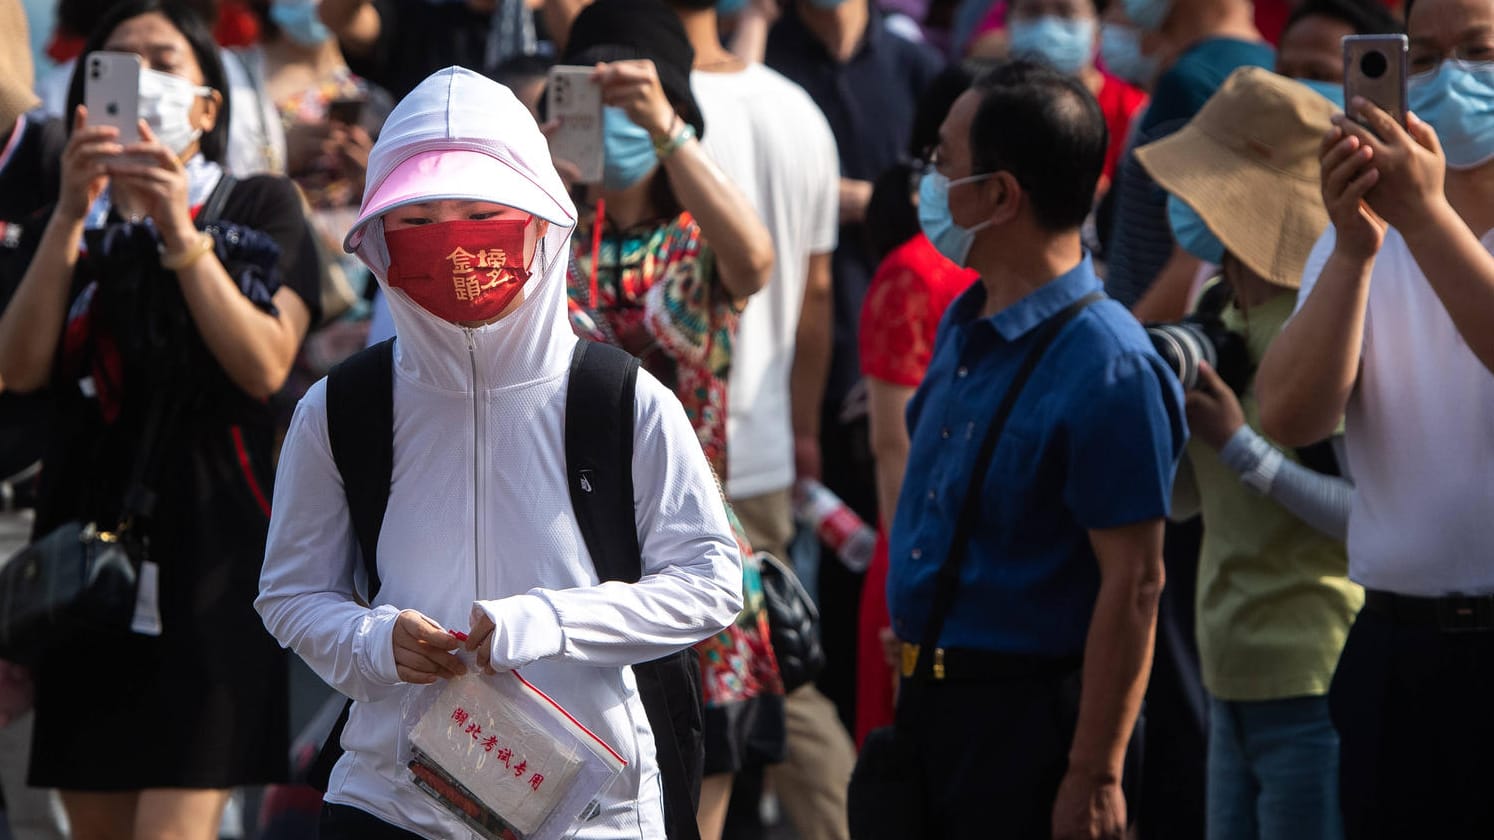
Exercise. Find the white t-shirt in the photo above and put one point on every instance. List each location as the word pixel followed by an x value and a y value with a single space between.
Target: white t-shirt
pixel 771 140
pixel 1419 432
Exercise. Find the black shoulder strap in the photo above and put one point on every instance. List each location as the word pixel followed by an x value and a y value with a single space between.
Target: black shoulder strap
pixel 949 573
pixel 212 209
pixel 599 456
pixel 360 427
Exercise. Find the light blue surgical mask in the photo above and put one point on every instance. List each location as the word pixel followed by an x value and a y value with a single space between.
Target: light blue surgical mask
pixel 937 224
pixel 730 7
pixel 1189 229
pixel 1458 101
pixel 1068 45
pixel 1332 91
pixel 1120 49
pixel 299 20
pixel 628 151
pixel 1149 15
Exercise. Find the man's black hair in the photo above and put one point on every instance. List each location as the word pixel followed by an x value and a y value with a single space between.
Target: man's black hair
pixel 1364 17
pixel 213 144
pixel 1047 130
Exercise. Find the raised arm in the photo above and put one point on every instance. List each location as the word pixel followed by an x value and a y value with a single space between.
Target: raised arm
pixel 255 348
pixel 32 323
pixel 1413 197
pixel 739 239
pixel 1308 372
pixel 356 23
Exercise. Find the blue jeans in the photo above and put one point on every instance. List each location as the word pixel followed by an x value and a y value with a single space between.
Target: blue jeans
pixel 1273 771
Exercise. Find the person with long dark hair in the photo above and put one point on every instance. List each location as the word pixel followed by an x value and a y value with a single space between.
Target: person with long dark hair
pixel 161 329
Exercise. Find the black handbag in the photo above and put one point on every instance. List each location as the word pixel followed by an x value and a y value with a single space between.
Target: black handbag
pixel 886 799
pixel 793 623
pixel 75 578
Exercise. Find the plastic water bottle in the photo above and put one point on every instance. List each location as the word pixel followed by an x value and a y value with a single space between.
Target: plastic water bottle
pixel 838 527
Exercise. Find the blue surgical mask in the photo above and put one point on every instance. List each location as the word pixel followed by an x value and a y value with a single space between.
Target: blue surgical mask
pixel 1332 91
pixel 1192 233
pixel 1068 45
pixel 1458 101
pixel 1149 15
pixel 938 225
pixel 628 151
pixel 1120 49
pixel 730 7
pixel 299 20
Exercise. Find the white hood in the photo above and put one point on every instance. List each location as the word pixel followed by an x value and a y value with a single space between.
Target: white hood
pixel 457 110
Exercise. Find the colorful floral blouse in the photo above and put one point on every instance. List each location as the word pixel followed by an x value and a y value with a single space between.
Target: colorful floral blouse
pixel 655 293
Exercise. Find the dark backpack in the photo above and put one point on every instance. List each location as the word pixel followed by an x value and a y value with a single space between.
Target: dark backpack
pixel 599 464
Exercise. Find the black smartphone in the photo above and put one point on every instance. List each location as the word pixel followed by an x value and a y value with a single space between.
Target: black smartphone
pixel 1375 68
pixel 346 111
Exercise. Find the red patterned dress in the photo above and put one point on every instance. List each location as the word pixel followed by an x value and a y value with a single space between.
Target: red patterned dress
pixel 899 320
pixel 655 293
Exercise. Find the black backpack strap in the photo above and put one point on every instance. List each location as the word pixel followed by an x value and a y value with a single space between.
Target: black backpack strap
pixel 600 403
pixel 599 456
pixel 360 428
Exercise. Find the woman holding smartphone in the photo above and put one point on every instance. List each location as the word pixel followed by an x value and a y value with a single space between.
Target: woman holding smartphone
pixel 662 269
pixel 149 330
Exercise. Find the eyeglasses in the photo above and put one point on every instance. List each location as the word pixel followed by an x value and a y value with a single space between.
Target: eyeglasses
pixel 1475 56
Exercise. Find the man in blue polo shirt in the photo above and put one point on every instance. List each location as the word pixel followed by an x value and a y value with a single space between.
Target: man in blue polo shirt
pixel 1061 574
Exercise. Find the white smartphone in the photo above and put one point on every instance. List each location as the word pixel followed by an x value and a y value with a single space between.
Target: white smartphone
pixel 572 97
pixel 1375 68
pixel 111 92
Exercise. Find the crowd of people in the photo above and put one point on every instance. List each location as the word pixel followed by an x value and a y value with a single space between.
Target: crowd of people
pixel 1121 392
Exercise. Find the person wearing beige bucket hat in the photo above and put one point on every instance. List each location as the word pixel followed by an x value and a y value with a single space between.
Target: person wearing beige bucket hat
pixel 1274 603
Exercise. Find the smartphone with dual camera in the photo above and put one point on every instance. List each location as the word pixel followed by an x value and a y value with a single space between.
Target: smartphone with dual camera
pixel 111 92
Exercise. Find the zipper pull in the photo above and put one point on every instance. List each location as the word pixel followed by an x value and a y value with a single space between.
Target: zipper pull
pixel 471 341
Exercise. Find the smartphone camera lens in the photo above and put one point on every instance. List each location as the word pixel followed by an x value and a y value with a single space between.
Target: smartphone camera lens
pixel 93 70
pixel 1373 65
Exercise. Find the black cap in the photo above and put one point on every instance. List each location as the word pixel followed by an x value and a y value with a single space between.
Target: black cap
pixel 623 30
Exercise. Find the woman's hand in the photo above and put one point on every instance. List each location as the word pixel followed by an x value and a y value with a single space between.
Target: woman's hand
pixel 1409 161
pixel 422 650
pixel 1214 413
pixel 155 179
pixel 1347 176
pixel 570 173
pixel 634 87
pixel 85 165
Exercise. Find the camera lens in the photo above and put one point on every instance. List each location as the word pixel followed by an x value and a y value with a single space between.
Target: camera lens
pixel 1373 65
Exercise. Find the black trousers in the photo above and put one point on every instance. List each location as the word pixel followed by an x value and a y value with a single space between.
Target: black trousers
pixel 1414 709
pixel 344 822
pixel 993 753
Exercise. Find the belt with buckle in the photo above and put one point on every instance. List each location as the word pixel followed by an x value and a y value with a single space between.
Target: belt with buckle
pixel 1448 614
pixel 963 664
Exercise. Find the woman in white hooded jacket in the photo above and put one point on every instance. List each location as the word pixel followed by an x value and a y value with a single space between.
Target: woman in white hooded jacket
pixel 479 533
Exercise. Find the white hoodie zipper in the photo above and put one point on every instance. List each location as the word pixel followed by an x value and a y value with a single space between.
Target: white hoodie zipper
pixel 477 494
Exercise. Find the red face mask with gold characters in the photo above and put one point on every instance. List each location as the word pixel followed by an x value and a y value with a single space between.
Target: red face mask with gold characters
pixel 460 272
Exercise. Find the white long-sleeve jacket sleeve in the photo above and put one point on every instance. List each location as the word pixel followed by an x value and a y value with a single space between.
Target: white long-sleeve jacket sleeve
pixel 691 587
pixel 308 595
